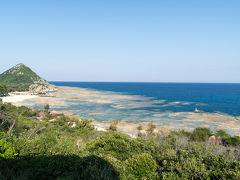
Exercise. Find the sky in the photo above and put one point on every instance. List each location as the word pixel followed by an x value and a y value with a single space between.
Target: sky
pixel 125 40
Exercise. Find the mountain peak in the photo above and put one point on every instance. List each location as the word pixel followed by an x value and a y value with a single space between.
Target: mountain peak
pixel 19 74
pixel 19 68
pixel 21 77
pixel 20 65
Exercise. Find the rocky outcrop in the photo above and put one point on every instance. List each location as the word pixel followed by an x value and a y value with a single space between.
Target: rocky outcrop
pixel 41 87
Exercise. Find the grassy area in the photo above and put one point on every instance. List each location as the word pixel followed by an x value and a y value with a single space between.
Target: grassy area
pixel 48 149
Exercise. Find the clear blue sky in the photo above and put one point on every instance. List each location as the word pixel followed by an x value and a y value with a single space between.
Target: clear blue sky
pixel 125 40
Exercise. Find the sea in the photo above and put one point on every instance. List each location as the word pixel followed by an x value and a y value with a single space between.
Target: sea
pixel 157 101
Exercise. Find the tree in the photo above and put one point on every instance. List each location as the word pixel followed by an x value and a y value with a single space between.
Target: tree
pixel 3 90
pixel 201 134
pixel 46 107
pixel 222 134
pixel 84 124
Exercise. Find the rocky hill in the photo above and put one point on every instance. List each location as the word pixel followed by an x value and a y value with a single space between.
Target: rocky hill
pixel 22 78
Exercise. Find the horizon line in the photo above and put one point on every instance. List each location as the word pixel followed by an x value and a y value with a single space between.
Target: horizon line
pixel 150 82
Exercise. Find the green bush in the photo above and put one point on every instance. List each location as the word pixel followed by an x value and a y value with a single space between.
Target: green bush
pixel 4 90
pixel 48 150
pixel 30 113
pixel 184 165
pixel 39 144
pixel 84 124
pixel 7 150
pixel 201 134
pixel 60 121
pixel 57 167
pixel 24 124
pixel 142 166
pixel 46 108
pixel 231 141
pixel 181 133
pixel 221 168
pixel 117 145
pixel 222 134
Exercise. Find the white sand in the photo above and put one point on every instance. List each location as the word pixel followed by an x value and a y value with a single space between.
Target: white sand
pixel 16 98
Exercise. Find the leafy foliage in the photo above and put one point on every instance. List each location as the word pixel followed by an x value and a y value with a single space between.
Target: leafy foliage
pixel 201 134
pixel 46 107
pixel 7 150
pixel 3 90
pixel 222 134
pixel 57 167
pixel 84 124
pixel 232 141
pixel 117 145
pixel 48 150
pixel 192 165
pixel 142 166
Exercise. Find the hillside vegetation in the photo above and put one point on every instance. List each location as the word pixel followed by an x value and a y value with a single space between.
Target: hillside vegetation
pixel 3 90
pixel 53 149
pixel 19 74
pixel 22 78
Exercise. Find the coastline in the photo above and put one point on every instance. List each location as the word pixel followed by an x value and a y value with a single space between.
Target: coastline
pixel 131 128
pixel 14 99
pixel 67 96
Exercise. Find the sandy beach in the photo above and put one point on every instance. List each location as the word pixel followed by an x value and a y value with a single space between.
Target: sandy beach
pixel 15 99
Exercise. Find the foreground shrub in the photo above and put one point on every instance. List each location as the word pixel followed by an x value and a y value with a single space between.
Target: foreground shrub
pixel 201 134
pixel 221 168
pixel 57 167
pixel 191 164
pixel 60 121
pixel 222 134
pixel 117 145
pixel 41 144
pixel 183 165
pixel 48 150
pixel 7 150
pixel 84 124
pixel 3 90
pixel 231 141
pixel 142 166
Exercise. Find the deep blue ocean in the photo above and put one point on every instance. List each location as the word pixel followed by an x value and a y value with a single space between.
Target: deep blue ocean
pixel 208 97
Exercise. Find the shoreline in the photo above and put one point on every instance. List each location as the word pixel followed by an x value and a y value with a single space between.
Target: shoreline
pixel 130 128
pixel 75 95
pixel 14 98
pixel 124 127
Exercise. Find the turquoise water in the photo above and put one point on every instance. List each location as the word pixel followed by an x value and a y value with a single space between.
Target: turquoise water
pixel 179 96
pixel 157 102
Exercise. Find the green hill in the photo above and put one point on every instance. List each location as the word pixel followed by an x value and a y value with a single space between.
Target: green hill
pixel 19 74
pixel 22 78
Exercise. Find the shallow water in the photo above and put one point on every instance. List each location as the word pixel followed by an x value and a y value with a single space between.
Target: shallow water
pixel 178 97
pixel 166 104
